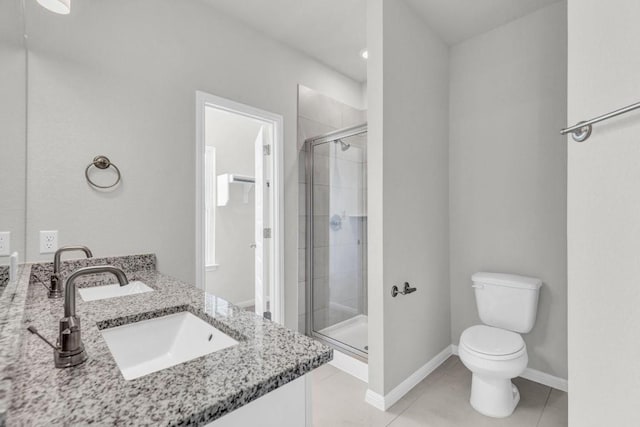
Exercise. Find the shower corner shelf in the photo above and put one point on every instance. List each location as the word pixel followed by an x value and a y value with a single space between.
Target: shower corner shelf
pixel 226 179
pixel 357 215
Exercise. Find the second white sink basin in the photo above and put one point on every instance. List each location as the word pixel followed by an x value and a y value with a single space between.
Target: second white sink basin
pixel 148 346
pixel 112 291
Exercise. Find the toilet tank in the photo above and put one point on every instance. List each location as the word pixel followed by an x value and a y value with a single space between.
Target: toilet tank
pixel 507 301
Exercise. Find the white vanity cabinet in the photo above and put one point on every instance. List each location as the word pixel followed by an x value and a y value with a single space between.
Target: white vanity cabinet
pixel 286 406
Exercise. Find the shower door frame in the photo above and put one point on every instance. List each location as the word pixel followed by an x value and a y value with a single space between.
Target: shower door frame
pixel 309 144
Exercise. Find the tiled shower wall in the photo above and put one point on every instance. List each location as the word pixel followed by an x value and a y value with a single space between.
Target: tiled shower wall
pixel 337 297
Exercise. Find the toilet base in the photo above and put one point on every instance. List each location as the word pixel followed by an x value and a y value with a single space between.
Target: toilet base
pixel 493 397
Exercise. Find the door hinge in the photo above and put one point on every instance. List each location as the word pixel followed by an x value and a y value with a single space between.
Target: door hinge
pixel 266 233
pixel 267 315
pixel 266 149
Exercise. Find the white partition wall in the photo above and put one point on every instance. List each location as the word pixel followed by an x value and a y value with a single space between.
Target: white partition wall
pixel 604 216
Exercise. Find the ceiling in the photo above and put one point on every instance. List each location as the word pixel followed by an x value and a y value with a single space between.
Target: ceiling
pixel 334 31
pixel 331 31
pixel 458 20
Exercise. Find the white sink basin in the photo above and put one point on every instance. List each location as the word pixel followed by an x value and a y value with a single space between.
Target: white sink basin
pixel 111 291
pixel 152 345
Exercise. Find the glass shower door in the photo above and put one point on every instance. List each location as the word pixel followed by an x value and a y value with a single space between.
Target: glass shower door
pixel 338 228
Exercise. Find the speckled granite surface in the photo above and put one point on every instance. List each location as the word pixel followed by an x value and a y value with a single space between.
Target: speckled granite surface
pixel 4 277
pixel 128 264
pixel 192 393
pixel 11 310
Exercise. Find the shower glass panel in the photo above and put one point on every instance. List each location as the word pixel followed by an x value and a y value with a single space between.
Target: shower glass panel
pixel 337 239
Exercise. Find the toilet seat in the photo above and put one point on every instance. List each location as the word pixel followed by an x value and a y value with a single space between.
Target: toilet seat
pixel 492 343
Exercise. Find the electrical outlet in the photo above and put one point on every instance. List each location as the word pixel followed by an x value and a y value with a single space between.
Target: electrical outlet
pixel 5 243
pixel 48 241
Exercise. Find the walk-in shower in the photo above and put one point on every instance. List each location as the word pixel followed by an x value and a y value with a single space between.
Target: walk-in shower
pixel 336 242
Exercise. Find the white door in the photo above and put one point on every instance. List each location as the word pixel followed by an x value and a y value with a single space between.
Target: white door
pixel 262 227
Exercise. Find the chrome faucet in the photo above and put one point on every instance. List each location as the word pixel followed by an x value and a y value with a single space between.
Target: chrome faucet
pixel 55 290
pixel 69 350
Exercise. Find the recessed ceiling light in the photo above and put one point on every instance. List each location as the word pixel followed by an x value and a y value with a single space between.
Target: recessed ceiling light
pixel 364 53
pixel 62 7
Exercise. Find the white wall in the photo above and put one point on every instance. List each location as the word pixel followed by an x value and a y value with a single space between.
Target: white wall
pixel 604 216
pixel 119 78
pixel 415 187
pixel 408 194
pixel 233 137
pixel 12 125
pixel 375 196
pixel 508 172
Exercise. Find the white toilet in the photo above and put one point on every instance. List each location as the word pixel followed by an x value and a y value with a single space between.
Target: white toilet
pixel 495 352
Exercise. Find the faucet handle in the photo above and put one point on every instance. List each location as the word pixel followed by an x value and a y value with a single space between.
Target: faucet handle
pixel 65 358
pixel 34 331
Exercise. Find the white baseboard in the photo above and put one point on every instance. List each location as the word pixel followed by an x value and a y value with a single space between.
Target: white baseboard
pixel 350 365
pixel 537 376
pixel 385 402
pixel 374 399
pixel 546 379
pixel 245 304
pixel 248 303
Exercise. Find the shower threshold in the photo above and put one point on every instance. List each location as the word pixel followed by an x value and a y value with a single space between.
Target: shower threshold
pixel 350 335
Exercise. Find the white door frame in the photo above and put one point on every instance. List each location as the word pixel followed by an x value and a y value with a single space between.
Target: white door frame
pixel 276 279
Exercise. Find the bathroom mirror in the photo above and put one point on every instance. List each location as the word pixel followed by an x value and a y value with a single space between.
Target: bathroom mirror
pixel 120 79
pixel 114 79
pixel 12 133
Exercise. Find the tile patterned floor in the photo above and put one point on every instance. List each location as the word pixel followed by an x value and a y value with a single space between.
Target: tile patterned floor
pixel 441 400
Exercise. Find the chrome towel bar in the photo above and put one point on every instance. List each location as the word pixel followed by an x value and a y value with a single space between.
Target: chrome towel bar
pixel 582 130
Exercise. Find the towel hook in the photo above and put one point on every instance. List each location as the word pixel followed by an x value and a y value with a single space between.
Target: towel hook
pixel 102 162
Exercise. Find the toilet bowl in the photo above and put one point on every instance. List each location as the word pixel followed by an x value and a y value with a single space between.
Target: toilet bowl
pixel 493 356
pixel 495 351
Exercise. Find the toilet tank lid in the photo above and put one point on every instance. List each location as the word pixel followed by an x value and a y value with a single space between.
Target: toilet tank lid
pixel 511 280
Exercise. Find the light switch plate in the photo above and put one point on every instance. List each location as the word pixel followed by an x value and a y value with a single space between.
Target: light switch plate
pixel 48 241
pixel 5 243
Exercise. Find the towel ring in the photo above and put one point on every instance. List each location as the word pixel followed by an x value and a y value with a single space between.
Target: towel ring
pixel 102 162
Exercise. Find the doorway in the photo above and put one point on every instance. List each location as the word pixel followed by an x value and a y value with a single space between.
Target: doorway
pixel 239 204
pixel 336 200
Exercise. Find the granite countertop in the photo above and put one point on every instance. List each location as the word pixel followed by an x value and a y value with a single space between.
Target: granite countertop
pixel 4 277
pixel 192 393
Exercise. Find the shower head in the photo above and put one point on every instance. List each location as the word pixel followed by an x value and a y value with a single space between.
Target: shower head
pixel 343 145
